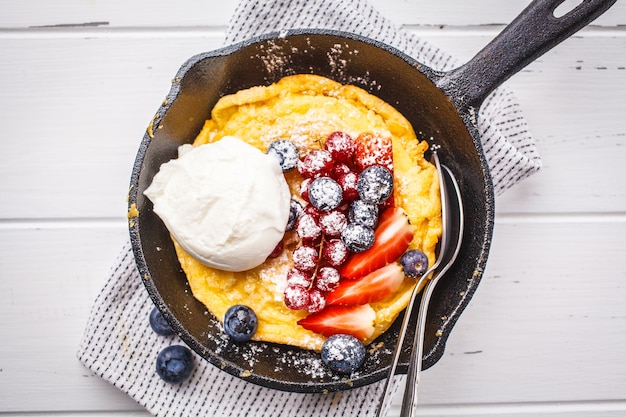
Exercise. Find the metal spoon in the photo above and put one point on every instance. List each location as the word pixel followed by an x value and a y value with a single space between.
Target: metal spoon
pixel 454 228
pixel 443 249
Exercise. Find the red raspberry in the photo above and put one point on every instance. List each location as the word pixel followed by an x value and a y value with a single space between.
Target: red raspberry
pixel 308 229
pixel 296 297
pixel 313 211
pixel 327 278
pixel 316 163
pixel 338 170
pixel 317 301
pixel 305 258
pixel 344 207
pixel 341 146
pixel 348 183
pixel 298 277
pixel 333 222
pixel 335 252
pixel 372 149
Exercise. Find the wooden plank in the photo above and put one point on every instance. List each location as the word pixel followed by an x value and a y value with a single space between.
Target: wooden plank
pixel 546 320
pixel 572 106
pixel 72 132
pixel 77 97
pixel 542 328
pixel 33 13
pixel 541 410
pixel 76 159
pixel 158 13
pixel 576 409
pixel 50 277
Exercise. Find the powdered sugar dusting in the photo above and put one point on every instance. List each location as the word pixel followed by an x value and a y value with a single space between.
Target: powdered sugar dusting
pixel 311 366
pixel 275 273
pixel 333 222
pixel 277 57
pixel 327 278
pixel 307 228
pixel 335 252
pixel 305 258
pixel 339 66
pixel 288 360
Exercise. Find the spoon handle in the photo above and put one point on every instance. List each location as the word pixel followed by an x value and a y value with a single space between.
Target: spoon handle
pixel 409 402
pixel 398 348
pixel 416 290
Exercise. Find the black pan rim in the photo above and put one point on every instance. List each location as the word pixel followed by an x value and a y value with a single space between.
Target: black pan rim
pixel 434 355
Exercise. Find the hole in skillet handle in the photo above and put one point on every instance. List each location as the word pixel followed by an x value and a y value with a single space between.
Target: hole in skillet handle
pixel 566 7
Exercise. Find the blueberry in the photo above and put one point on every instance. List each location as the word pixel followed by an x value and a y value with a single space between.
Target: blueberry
pixel 240 323
pixel 343 353
pixel 159 324
pixel 363 213
pixel 325 194
pixel 295 211
pixel 357 237
pixel 286 152
pixel 174 364
pixel 414 263
pixel 375 184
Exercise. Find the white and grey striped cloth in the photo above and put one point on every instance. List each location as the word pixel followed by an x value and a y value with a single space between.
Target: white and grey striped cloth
pixel 119 345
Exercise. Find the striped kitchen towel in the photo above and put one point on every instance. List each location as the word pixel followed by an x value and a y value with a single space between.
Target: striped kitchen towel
pixel 119 345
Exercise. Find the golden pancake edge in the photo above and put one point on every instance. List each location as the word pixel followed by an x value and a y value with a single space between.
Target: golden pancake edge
pixel 306 109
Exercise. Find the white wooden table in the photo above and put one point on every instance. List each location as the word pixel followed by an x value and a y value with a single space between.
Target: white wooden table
pixel 545 335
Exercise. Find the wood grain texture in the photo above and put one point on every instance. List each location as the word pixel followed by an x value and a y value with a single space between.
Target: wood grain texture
pixel 93 98
pixel 80 81
pixel 162 13
pixel 531 330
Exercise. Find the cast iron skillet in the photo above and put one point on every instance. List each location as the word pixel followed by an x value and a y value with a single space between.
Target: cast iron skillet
pixel 441 106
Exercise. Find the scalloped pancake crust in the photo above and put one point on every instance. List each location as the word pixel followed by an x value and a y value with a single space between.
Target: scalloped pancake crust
pixel 305 109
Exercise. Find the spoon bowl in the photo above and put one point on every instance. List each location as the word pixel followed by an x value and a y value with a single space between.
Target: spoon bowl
pixel 452 219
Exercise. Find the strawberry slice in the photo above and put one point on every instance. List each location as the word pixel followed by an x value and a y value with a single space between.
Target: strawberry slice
pixel 391 239
pixel 375 286
pixel 357 321
pixel 372 149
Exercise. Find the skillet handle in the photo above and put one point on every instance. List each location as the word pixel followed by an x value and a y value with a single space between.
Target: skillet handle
pixel 534 32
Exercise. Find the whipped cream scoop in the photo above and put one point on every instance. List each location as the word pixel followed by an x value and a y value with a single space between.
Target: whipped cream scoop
pixel 226 203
